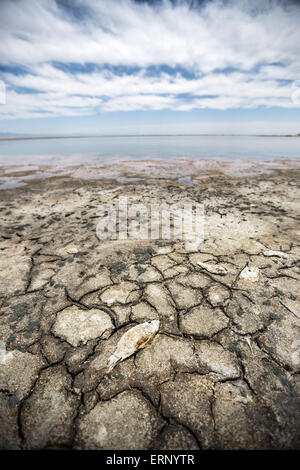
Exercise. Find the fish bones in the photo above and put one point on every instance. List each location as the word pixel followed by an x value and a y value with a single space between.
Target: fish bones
pixel 213 268
pixel 133 340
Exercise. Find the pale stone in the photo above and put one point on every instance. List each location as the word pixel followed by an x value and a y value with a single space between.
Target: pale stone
pixel 72 249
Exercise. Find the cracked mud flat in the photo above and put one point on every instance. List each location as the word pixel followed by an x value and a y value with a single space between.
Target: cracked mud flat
pixel 222 372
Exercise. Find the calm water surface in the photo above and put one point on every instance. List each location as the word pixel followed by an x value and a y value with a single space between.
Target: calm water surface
pixel 85 150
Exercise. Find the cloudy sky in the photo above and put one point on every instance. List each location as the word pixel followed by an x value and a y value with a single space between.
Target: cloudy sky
pixel 125 66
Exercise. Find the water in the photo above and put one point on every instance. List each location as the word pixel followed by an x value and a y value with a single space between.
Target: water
pixel 130 159
pixel 85 150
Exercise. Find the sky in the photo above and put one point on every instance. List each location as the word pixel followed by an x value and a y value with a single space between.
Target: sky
pixel 136 67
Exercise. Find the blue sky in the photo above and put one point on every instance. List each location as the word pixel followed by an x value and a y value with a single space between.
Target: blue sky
pixel 124 66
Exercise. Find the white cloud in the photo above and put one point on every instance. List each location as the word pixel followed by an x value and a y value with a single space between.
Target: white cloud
pixel 228 51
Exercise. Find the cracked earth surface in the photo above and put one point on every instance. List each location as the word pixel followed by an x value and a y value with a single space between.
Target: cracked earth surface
pixel 222 372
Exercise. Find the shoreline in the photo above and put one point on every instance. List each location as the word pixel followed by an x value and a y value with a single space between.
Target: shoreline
pixel 140 135
pixel 183 170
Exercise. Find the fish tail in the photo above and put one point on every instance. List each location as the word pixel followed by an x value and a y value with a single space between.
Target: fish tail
pixel 112 361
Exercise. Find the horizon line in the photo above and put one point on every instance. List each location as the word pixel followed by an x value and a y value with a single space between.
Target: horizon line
pixel 81 136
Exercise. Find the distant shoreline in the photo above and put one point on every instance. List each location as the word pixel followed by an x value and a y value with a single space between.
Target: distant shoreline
pixel 140 135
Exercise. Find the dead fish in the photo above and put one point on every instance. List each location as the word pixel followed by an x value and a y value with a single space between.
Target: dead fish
pixel 278 254
pixel 249 344
pixel 133 340
pixel 213 268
